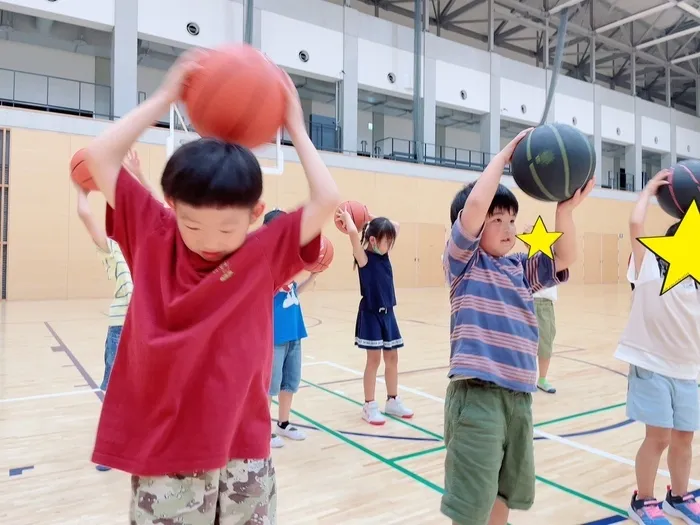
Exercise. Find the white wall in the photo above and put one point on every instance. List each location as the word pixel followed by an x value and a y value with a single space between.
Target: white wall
pixel 165 22
pixel 98 14
pixel 316 26
pixel 323 47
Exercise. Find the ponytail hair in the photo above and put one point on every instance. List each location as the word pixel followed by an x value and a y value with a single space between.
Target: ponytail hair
pixel 380 228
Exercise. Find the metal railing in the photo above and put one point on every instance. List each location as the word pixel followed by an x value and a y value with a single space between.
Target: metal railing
pixel 54 94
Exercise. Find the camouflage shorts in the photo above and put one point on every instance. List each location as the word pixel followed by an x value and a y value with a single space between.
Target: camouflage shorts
pixel 242 493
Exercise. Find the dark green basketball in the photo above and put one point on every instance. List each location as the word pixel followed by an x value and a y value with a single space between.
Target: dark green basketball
pixel 552 162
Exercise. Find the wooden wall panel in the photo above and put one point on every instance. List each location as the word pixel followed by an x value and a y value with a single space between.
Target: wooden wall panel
pixel 51 255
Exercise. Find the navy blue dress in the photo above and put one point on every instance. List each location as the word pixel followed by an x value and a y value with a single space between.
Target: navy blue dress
pixel 376 327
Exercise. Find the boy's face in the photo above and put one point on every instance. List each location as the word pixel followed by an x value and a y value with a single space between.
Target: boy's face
pixel 214 233
pixel 498 237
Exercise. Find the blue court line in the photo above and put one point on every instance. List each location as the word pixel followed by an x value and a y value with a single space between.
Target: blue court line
pixel 61 347
pixel 18 471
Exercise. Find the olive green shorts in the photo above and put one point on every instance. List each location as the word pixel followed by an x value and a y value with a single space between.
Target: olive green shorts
pixel 544 310
pixel 488 436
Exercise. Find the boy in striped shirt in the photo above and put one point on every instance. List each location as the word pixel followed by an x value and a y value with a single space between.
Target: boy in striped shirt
pixel 489 466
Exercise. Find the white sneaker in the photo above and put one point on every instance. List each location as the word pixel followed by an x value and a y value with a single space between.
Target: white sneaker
pixel 395 407
pixel 276 441
pixel 290 432
pixel 371 414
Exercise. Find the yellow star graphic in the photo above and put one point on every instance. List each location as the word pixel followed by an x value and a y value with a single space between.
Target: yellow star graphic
pixel 539 240
pixel 681 251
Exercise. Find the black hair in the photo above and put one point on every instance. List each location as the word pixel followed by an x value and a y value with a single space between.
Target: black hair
pixel 380 228
pixel 211 172
pixel 663 265
pixel 504 199
pixel 272 215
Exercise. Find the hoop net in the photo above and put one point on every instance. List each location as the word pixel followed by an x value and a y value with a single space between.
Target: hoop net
pixel 181 133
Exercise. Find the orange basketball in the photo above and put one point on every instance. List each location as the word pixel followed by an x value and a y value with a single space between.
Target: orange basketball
pixel 238 96
pixel 325 257
pixel 358 212
pixel 79 172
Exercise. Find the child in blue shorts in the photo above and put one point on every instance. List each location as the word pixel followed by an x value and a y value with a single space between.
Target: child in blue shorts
pixel 489 463
pixel 289 330
pixel 661 344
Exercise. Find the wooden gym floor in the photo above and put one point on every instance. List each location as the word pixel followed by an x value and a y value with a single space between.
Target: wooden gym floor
pixel 51 363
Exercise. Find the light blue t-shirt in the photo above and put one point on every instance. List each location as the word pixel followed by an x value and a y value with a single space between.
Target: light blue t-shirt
pixel 288 319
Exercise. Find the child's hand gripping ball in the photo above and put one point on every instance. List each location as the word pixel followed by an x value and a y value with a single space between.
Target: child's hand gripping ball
pixel 351 211
pixel 325 257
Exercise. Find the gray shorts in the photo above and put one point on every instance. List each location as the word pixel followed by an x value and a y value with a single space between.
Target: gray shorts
pixel 660 401
pixel 243 492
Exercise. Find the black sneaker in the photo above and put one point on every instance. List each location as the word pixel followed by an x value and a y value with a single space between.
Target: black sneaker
pixel 646 511
pixel 682 507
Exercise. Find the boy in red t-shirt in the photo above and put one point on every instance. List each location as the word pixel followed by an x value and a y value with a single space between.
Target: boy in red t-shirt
pixel 187 409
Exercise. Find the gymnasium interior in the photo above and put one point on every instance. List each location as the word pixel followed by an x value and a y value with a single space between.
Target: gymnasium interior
pixel 407 101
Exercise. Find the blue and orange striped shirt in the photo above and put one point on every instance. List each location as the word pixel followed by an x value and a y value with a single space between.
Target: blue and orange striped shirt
pixel 493 328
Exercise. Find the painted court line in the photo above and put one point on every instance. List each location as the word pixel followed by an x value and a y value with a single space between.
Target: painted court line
pixel 393 463
pixel 49 396
pixel 551 437
pixel 601 453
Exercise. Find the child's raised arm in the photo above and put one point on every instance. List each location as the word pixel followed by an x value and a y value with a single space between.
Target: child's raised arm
pixel 106 153
pixel 358 251
pixel 565 247
pixel 480 198
pixel 306 283
pixel 639 213
pixel 323 191
pixel 97 232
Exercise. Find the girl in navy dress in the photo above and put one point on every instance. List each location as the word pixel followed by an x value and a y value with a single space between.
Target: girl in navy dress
pixel 376 330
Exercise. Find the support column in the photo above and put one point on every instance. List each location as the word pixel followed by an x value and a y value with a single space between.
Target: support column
pixel 103 79
pixel 377 128
pixel 597 137
pixel 125 57
pixel 669 159
pixel 429 107
pixel 418 78
pixel 348 84
pixel 491 122
pixel 697 97
pixel 633 154
pixel 249 21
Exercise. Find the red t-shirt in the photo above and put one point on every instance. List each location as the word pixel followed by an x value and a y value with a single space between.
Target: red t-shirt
pixel 189 388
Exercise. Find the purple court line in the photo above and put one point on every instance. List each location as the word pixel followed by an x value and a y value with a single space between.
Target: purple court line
pixel 61 347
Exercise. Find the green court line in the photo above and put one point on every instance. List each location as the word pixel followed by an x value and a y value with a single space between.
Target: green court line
pixel 375 455
pixel 580 414
pixel 418 454
pixel 398 419
pixel 544 423
pixel 581 495
pixel 393 464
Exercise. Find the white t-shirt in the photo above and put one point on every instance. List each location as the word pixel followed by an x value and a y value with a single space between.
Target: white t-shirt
pixel 547 293
pixel 663 331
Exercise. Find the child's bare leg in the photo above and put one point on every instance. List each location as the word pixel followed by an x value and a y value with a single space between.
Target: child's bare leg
pixel 285 405
pixel 391 372
pixel 648 457
pixel 374 358
pixel 680 456
pixel 499 513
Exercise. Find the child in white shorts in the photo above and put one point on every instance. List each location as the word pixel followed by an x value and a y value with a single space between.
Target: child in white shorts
pixel 661 343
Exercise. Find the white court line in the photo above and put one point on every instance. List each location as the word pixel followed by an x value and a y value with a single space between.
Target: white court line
pixel 601 453
pixel 316 363
pixel 551 437
pixel 49 396
pixel 401 387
